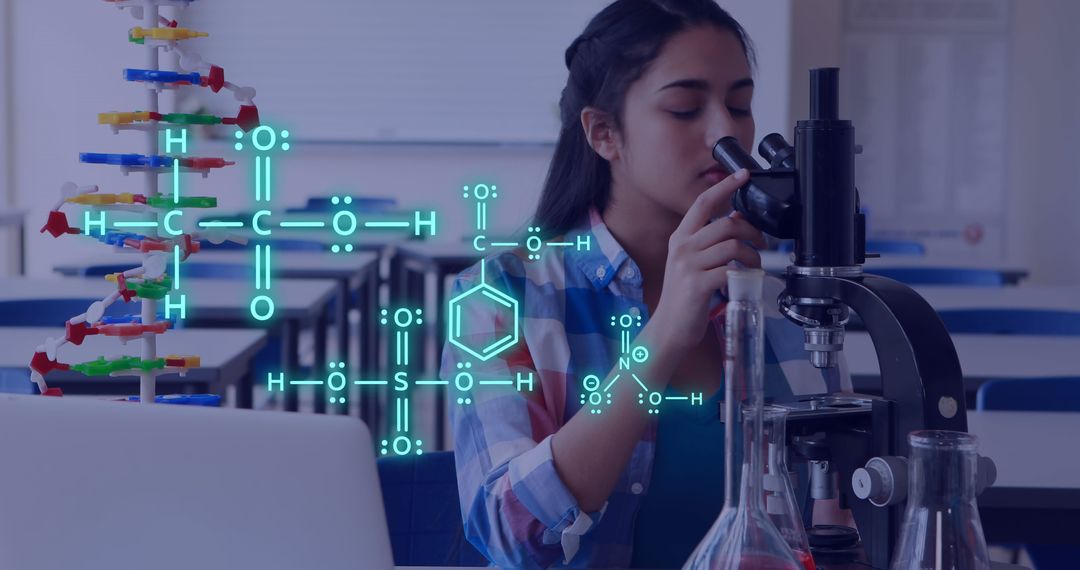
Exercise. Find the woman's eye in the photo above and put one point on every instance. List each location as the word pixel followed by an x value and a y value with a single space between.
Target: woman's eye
pixel 736 112
pixel 685 115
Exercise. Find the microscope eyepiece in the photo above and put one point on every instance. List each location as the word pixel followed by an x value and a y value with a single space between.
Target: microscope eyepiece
pixel 824 94
pixel 731 156
pixel 768 199
pixel 777 151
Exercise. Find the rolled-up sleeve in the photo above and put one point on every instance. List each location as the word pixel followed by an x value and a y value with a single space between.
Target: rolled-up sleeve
pixel 516 509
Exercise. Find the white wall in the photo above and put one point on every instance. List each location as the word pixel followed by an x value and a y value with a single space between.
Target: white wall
pixel 1045 176
pixel 8 239
pixel 60 86
pixel 1044 179
pixel 65 69
pixel 769 25
pixel 6 195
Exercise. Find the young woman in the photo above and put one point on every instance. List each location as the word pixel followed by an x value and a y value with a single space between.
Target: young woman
pixel 653 84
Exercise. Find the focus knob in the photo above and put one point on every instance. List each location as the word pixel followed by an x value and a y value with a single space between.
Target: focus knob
pixel 883 481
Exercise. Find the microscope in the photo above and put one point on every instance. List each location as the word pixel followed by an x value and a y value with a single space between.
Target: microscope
pixel 855 444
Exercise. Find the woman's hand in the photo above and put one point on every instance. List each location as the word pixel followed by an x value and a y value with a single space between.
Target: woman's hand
pixel 698 254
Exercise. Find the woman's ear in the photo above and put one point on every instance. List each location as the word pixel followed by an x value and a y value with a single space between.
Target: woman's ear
pixel 600 133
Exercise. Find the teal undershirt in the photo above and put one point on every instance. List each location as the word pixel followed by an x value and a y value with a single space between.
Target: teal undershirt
pixel 686 490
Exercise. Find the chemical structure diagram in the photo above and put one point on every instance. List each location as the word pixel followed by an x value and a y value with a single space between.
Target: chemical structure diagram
pixel 630 357
pixel 344 222
pixel 480 346
pixel 533 243
pixel 152 225
pixel 403 322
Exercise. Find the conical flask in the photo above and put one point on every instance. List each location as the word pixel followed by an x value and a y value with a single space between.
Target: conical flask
pixel 780 502
pixel 941 528
pixel 743 536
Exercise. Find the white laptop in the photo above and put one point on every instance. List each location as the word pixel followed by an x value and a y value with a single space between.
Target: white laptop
pixel 115 485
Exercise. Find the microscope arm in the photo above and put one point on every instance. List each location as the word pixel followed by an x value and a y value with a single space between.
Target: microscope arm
pixel 921 382
pixel 919 367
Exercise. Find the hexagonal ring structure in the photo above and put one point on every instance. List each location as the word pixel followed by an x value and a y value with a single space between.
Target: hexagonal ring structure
pixel 502 301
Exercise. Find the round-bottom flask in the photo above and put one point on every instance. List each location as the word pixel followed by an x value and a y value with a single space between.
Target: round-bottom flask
pixel 941 526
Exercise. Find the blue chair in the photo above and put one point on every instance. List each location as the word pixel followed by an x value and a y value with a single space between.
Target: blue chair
pixel 1039 395
pixel 276 244
pixel 1059 394
pixel 941 276
pixel 895 247
pixel 883 246
pixel 190 269
pixel 44 313
pixel 1011 321
pixel 423 511
pixel 53 312
pixel 227 217
pixel 360 204
pixel 17 381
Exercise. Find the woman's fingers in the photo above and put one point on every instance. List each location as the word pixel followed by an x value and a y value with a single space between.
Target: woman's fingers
pixel 710 202
pixel 719 255
pixel 727 228
pixel 715 279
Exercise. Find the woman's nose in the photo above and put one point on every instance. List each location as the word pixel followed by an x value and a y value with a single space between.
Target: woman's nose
pixel 720 124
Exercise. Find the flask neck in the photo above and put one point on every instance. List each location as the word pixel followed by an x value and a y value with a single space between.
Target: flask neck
pixel 941 477
pixel 751 496
pixel 743 391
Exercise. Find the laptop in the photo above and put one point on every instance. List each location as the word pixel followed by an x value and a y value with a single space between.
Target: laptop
pixel 115 485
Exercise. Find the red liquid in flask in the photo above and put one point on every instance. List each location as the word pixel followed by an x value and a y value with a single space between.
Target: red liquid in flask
pixel 767 562
pixel 806 559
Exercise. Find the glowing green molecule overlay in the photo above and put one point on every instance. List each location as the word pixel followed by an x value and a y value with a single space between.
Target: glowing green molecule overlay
pixel 346 223
pixel 336 382
pixel 483 298
pixel 263 139
pixel 533 243
pixel 404 323
pixel 596 397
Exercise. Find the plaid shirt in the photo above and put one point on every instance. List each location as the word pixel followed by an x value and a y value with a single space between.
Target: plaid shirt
pixel 516 509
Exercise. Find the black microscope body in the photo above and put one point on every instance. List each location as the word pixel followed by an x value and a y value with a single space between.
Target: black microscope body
pixel 808 194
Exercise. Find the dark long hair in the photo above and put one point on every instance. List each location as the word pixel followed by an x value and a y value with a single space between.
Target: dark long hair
pixel 604 61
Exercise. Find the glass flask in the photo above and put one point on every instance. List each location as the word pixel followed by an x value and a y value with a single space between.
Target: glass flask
pixel 743 536
pixel 941 528
pixel 780 502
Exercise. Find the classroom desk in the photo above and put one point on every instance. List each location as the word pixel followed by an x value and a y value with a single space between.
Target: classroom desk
pixel 16 219
pixel 1021 297
pixel 219 303
pixel 1036 498
pixel 225 358
pixel 373 243
pixel 410 266
pixel 413 260
pixel 362 238
pixel 450 258
pixel 982 358
pixel 355 274
pixel 777 262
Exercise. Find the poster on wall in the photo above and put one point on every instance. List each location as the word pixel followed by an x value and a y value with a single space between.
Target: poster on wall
pixel 928 91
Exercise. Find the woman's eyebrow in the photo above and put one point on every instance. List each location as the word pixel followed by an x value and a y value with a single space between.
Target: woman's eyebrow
pixel 697 84
pixel 703 85
pixel 741 83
